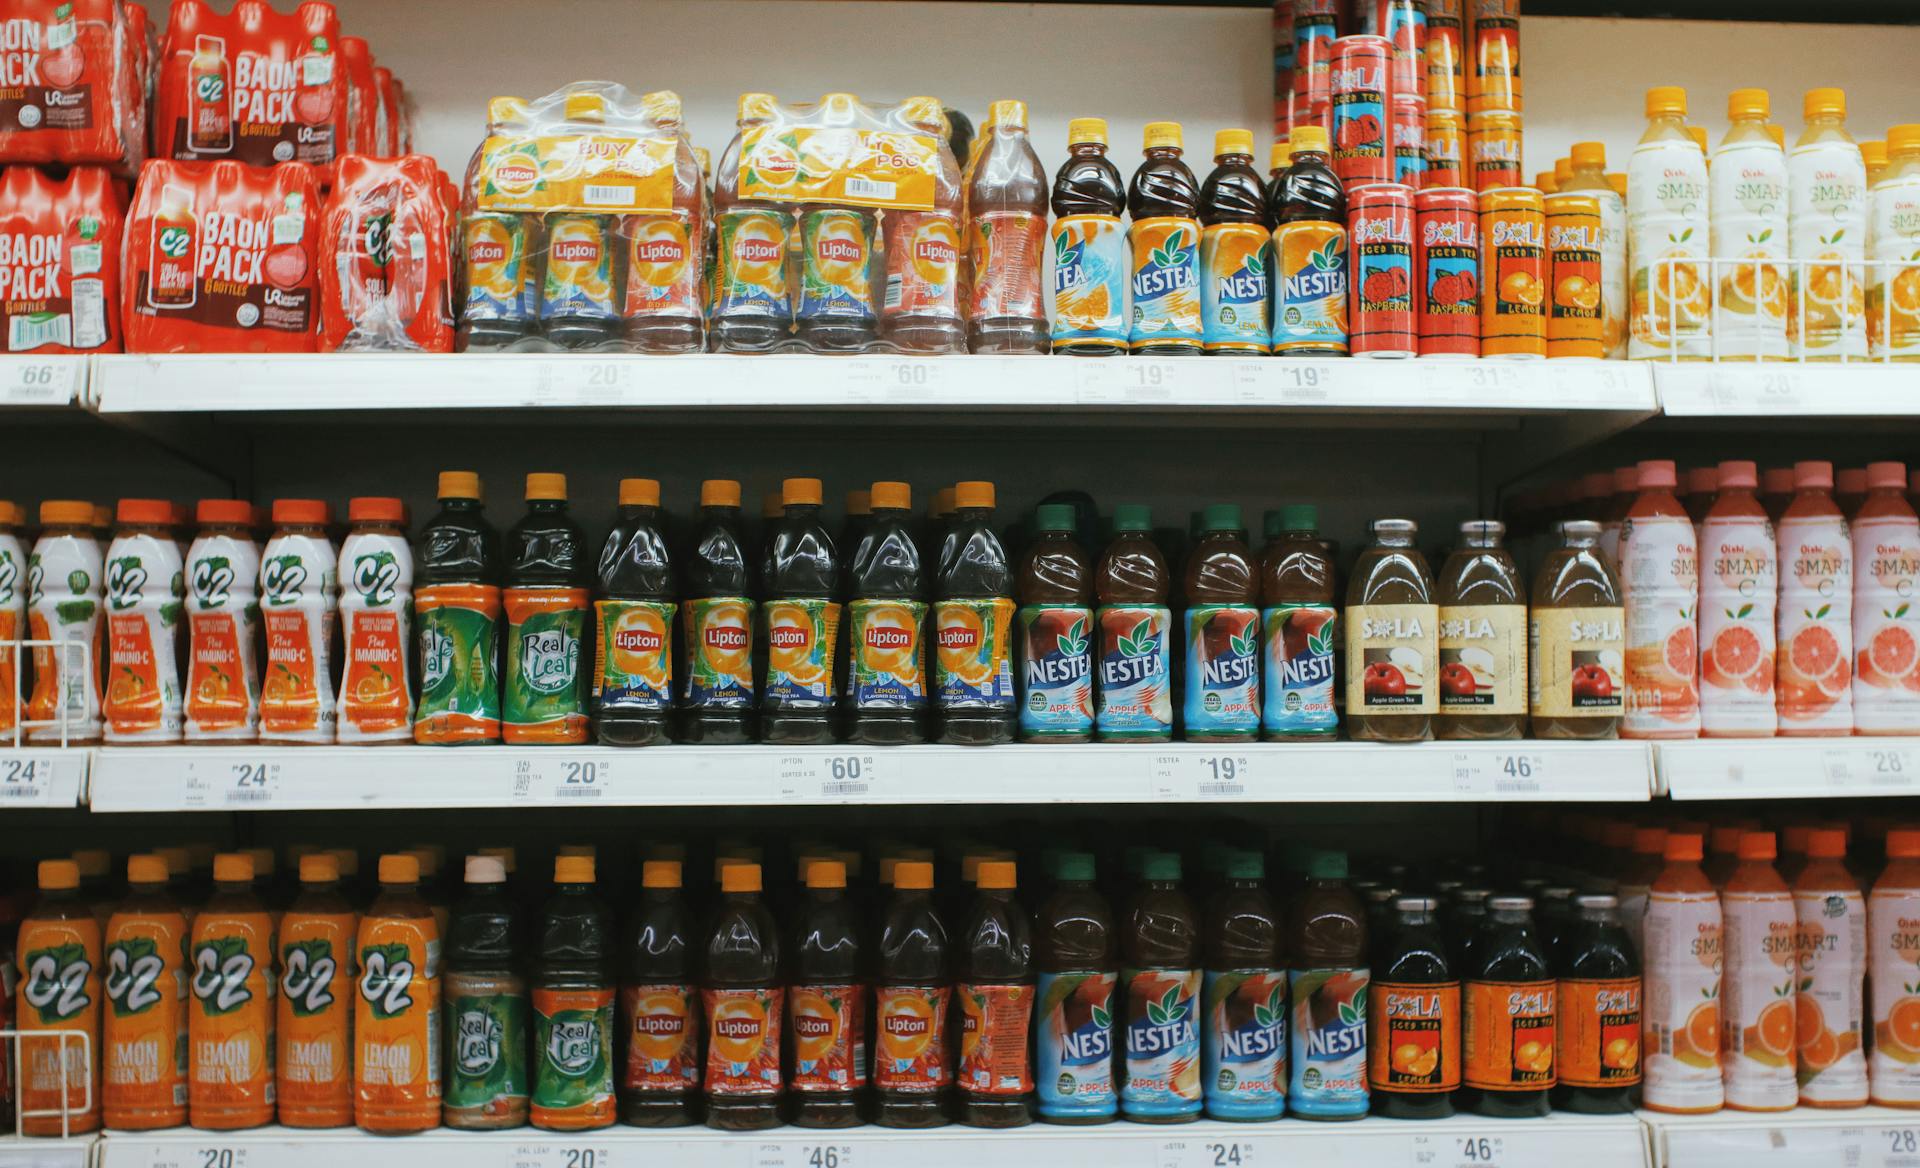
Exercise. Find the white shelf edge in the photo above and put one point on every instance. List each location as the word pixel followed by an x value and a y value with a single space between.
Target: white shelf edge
pixel 1785 389
pixel 48 1152
pixel 1860 1137
pixel 1787 768
pixel 44 776
pixel 53 380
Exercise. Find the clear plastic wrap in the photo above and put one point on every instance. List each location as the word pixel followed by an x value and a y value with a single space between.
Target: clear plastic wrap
pixel 73 82
pixel 384 236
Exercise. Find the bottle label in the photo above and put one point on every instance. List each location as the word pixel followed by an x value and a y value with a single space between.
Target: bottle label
pixel 1738 584
pixel 579 269
pixel 1827 204
pixel 1509 1035
pixel 1483 663
pixel 1414 1045
pixel 663 268
pixel 1893 928
pixel 291 702
pixel 1660 571
pixel 1300 665
pixel 1245 1053
pixel 223 692
pixel 718 645
pixel 1163 1042
pixel 1329 1063
pixel 663 1046
pixel 1830 1010
pixel 836 250
pixel 1223 669
pixel 1893 329
pixel 573 1048
pixel 63 606
pixel 1670 293
pixel 1886 625
pixel 1391 650
pixel 829 1043
pixel 13 611
pixel 1749 210
pixel 1683 947
pixel 1091 281
pixel 1600 1033
pixel 743 1041
pixel 1576 662
pixel 751 279
pixel 1760 986
pixel 923 265
pixel 886 657
pixel 993 1039
pixel 973 658
pixel 141 700
pixel 59 991
pixel 912 1021
pixel 376 610
pixel 143 1029
pixel 1006 248
pixel 801 639
pixel 1056 672
pixel 314 1031
pixel 1073 1052
pixel 230 1023
pixel 459 663
pixel 1166 282
pixel 488 1065
pixel 1135 690
pixel 500 284
pixel 396 1018
pixel 1236 287
pixel 633 655
pixel 544 702
pixel 1310 306
pixel 1814 671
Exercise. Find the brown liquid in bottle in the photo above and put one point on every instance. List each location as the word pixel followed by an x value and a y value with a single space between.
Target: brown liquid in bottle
pixel 1055 590
pixel 1297 596
pixel 1577 683
pixel 1483 638
pixel 1133 663
pixel 1392 639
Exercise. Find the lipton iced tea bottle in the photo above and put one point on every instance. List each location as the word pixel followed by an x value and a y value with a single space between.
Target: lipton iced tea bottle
pixel 546 607
pixel 920 310
pixel 1075 952
pixel 1814 667
pixel 1244 1064
pixel 973 625
pixel 1055 587
pixel 632 688
pixel 1092 260
pixel 1599 995
pixel 1222 632
pixel 1392 639
pixel 1006 232
pixel 143 1027
pixel 486 1006
pixel 1748 200
pixel 802 621
pixel 659 1005
pixel 1659 569
pixel 1738 585
pixel 376 610
pixel 743 1006
pixel 1831 1003
pixel 457 610
pixel 64 595
pixel 995 987
pixel 753 294
pixel 913 1066
pixel 1309 209
pixel 886 691
pixel 140 699
pixel 223 620
pixel 396 1012
pixel 1133 656
pixel 1509 1021
pixel 1160 999
pixel 297 608
pixel 1886 557
pixel 663 302
pixel 573 1005
pixel 1483 642
pixel 577 306
pixel 230 1020
pixel 716 695
pixel 1827 200
pixel 1762 970
pixel 1413 1042
pixel 1297 620
pixel 1236 249
pixel 1668 236
pixel 314 1016
pixel 1163 198
pixel 58 951
pixel 1893 939
pixel 826 1006
pixel 837 253
pixel 1326 949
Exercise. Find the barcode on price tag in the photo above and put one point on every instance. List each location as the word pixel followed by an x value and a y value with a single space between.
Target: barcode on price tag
pixel 1457 1151
pixel 252 783
pixel 828 776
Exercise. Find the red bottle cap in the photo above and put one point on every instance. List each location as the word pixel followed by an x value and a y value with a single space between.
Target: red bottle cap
pixel 1852 480
pixel 1903 843
pixel 143 512
pixel 376 509
pixel 1655 473
pixel 1739 473
pixel 1777 480
pixel 1827 843
pixel 1807 475
pixel 1703 480
pixel 305 512
pixel 1757 845
pixel 226 512
pixel 1682 845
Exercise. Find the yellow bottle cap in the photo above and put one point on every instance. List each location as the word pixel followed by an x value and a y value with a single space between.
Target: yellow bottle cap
pixel 233 867
pixel 546 486
pixel 1009 113
pixel 1748 103
pixel 1162 134
pixel 1562 171
pixel 1618 182
pixel 1309 140
pixel 573 869
pixel 720 493
pixel 1087 130
pixel 1902 139
pixel 66 513
pixel 662 105
pixel 459 484
pixel 506 109
pixel 1233 142
pixel 1280 154
pixel 892 496
pixel 660 874
pixel 586 107
pixel 757 107
pixel 399 868
pixel 1589 155
pixel 639 492
pixel 59 875
pixel 1544 182
pixel 799 492
pixel 1825 102
pixel 147 869
pixel 1666 101
pixel 913 874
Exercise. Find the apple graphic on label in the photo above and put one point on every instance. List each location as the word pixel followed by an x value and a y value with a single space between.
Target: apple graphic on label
pixel 1591 681
pixel 1384 679
pixel 1456 680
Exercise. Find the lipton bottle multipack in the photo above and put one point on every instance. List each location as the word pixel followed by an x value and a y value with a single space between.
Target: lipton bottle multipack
pixel 73 77
pixel 255 86
pixel 383 257
pixel 220 259
pixel 60 261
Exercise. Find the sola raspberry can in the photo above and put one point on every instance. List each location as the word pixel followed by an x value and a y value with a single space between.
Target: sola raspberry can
pixel 1380 259
pixel 1445 149
pixel 1446 251
pixel 1404 23
pixel 1315 25
pixel 1361 153
pixel 1409 139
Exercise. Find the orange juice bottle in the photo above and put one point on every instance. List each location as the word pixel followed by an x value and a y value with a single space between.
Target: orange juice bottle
pixel 140 699
pixel 230 1020
pixel 1757 1036
pixel 298 608
pixel 1832 916
pixel 63 606
pixel 396 1014
pixel 1659 564
pixel 1886 628
pixel 59 957
pixel 223 618
pixel 1668 235
pixel 1739 581
pixel 13 613
pixel 1827 204
pixel 1748 196
pixel 1682 966
pixel 376 615
pixel 1893 938
pixel 315 1030
pixel 142 1057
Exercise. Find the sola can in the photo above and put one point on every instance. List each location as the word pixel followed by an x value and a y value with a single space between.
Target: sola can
pixel 1447 259
pixel 1361 100
pixel 1493 149
pixel 1445 149
pixel 1513 234
pixel 1445 56
pixel 1404 24
pixel 1315 25
pixel 1493 69
pixel 1380 252
pixel 1409 138
pixel 1576 322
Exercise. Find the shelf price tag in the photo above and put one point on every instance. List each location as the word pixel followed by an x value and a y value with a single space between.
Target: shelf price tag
pixel 803 1155
pixel 1125 379
pixel 219 1158
pixel 1871 768
pixel 1458 1151
pixel 25 778
pixel 827 777
pixel 42 382
pixel 1894 1147
pixel 562 1156
pixel 1504 772
pixel 1307 383
pixel 251 783
pixel 1203 775
pixel 561 780
pixel 1471 384
pixel 1758 391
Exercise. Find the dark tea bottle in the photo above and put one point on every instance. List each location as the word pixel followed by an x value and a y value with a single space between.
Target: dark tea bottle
pixel 1510 1014
pixel 1413 1055
pixel 1599 1008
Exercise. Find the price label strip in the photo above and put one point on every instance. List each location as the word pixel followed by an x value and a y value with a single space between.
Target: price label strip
pixel 1501 773
pixel 1188 775
pixel 44 382
pixel 562 1156
pixel 1460 1151
pixel 1871 769
pixel 25 778
pixel 560 780
pixel 832 777
pixel 1207 1154
pixel 803 1156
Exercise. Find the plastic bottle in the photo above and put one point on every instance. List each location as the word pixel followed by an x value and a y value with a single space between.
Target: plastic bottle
pixel 1236 250
pixel 802 621
pixel 1092 259
pixel 1075 953
pixel 1134 656
pixel 376 615
pixel 396 1014
pixel 920 308
pixel 1668 227
pixel 58 952
pixel 1244 1064
pixel 1222 625
pixel 913 1066
pixel 995 988
pixel 1393 629
pixel 546 608
pixel 1054 586
pixel 1298 624
pixel 742 1004
pixel 1006 235
pixel 1757 1037
pixel 1892 941
pixel 632 688
pixel 1886 630
pixel 973 625
pixel 1827 193
pixel 1830 1005
pixel 1749 200
pixel 1161 980
pixel 1698 487
pixel 1892 239
pixel 13 618
pixel 837 245
pixel 886 688
pixel 298 607
pixel 1163 198
pixel 716 694
pixel 1483 639
pixel 573 993
pixel 457 612
pixel 1814 665
pixel 826 1006
pixel 1587 176
pixel 230 1017
pixel 753 283
pixel 1576 638
pixel 1510 1015
pixel 1738 584
pixel 659 1083
pixel 1326 949
pixel 223 624
pixel 1413 1043
pixel 1850 490
pixel 314 1015
pixel 663 305
pixel 1309 208
pixel 486 1005
pixel 144 1020
pixel 1599 997
pixel 140 699
pixel 1660 568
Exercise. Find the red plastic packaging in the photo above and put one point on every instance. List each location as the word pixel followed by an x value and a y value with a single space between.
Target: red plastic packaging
pixel 281 74
pixel 363 98
pixel 396 132
pixel 383 273
pixel 60 261
pixel 72 81
pixel 220 259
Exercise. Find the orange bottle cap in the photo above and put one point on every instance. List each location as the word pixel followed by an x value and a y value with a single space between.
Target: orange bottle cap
pixel 639 492
pixel 1827 843
pixel 1757 845
pixel 1650 841
pixel 997 874
pixel 1562 170
pixel 800 492
pixel 660 874
pixel 300 512
pixel 10 514
pixel 1887 475
pixel 376 509
pixel 739 877
pixel 892 496
pixel 1619 184
pixel 1901 139
pixel 1655 473
pixel 913 874
pixel 146 869
pixel 1738 473
pixel 1589 155
pixel 458 484
pixel 974 495
pixel 1682 845
pixel 720 493
pixel 1903 843
pixel 263 859
pixel 859 502
pixel 577 850
pixel 178 862
pixel 1308 140
pixel 143 512
pixel 1813 474
pixel 826 874
pixel 1162 134
pixel 58 875
pixel 224 512
pixel 943 502
pixel 573 869
pixel 1827 101
pixel 399 868
pixel 1777 480
pixel 93 862
pixel 1794 837
pixel 1748 103
pixel 1087 130
pixel 1726 839
pixel 102 516
pixel 1702 480
pixel 1544 182
pixel 233 867
pixel 546 486
pixel 1666 101
pixel 319 868
pixel 1233 142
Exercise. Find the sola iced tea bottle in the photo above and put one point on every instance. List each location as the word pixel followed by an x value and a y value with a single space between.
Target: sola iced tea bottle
pixel 1576 637
pixel 144 1021
pixel 1893 941
pixel 1392 639
pixel 298 606
pixel 223 620
pixel 1598 998
pixel 1668 235
pixel 1762 973
pixel 1482 638
pixel 314 1015
pixel 1886 628
pixel 140 697
pixel 1660 571
pixel 1739 576
pixel 1413 1003
pixel 1510 1022
pixel 230 1018
pixel 1587 176
pixel 376 615
pixel 1831 1004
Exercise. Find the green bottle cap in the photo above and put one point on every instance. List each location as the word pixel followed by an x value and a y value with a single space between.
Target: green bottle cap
pixel 1132 517
pixel 1300 517
pixel 1075 866
pixel 1247 865
pixel 1163 866
pixel 1221 517
pixel 1053 517
pixel 1328 866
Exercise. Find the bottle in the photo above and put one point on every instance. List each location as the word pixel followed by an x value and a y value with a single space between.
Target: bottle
pixel 1894 1070
pixel 802 621
pixel 836 310
pixel 1586 175
pixel 486 1006
pixel 457 611
pixel 314 1015
pixel 973 625
pixel 210 120
pixel 1813 690
pixel 995 988
pixel 1510 1015
pixel 1626 480
pixel 1092 259
pixel 1413 1044
pixel 1776 491
pixel 140 701
pixel 299 599
pixel 396 1014
pixel 1222 632
pixel 920 309
pixel 1739 581
pixel 1133 696
pixel 1483 638
pixel 1668 227
pixel 1326 949
pixel 58 952
pixel 1850 490
pixel 753 284
pixel 1827 193
pixel 1299 626
pixel 1749 200
pixel 1886 554
pixel 1244 1063
pixel 826 1006
pixel 573 990
pixel 886 644
pixel 1757 1038
pixel 230 1018
pixel 1161 978
pixel 1638 869
pixel 1830 1005
pixel 659 1083
pixel 1162 198
pixel 716 695
pixel 546 609
pixel 1392 639
pixel 1599 1011
pixel 144 1022
pixel 1074 951
pixel 1006 230
pixel 1576 635
pixel 1309 208
pixel 577 306
pixel 742 1004
pixel 663 303
pixel 1893 293
pixel 1055 590
pixel 376 610
pixel 1236 250
pixel 223 623
pixel 632 689
pixel 913 1067
pixel 1701 484
pixel 13 622
pixel 1660 567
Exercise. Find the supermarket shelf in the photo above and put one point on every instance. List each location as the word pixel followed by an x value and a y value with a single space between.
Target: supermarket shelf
pixel 1557 1142
pixel 1786 390
pixel 1866 1137
pixel 35 776
pixel 308 778
pixel 27 381
pixel 1787 768
pixel 22 1152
